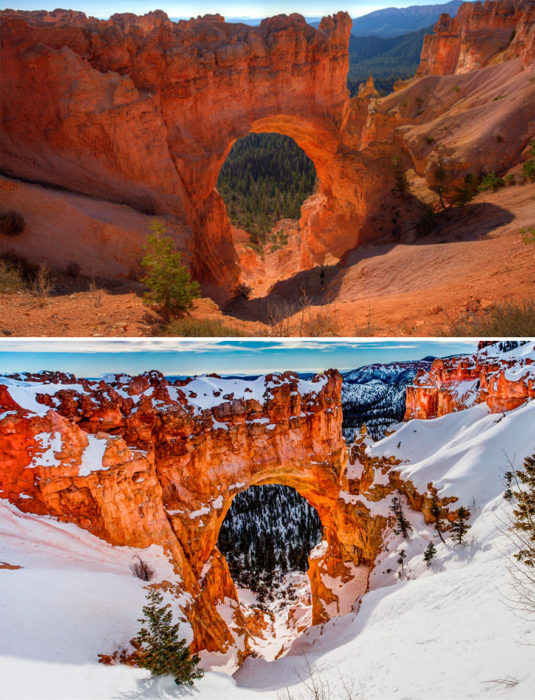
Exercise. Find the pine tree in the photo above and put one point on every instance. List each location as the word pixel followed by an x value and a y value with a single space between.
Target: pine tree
pixel 521 492
pixel 158 647
pixel 429 553
pixel 401 560
pixel 403 526
pixel 436 513
pixel 459 526
pixel 169 282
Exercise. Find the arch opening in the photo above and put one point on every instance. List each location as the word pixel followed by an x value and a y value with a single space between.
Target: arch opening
pixel 264 181
pixel 266 538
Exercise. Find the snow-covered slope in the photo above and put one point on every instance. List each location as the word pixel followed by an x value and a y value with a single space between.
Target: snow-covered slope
pixel 73 597
pixel 445 631
pixel 375 394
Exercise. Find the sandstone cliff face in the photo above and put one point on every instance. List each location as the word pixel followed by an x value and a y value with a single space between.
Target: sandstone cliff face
pixel 143 111
pixel 503 381
pixel 138 461
pixel 478 35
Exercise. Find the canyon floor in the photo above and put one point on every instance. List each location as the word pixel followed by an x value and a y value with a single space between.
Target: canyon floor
pixel 473 259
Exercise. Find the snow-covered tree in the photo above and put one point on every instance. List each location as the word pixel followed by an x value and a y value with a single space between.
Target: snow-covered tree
pixel 158 647
pixel 460 527
pixel 521 493
pixel 403 526
pixel 429 553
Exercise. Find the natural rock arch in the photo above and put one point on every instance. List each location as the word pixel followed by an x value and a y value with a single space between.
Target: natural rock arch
pixel 169 474
pixel 161 104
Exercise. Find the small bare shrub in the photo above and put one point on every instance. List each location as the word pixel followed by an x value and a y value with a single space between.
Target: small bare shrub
pixel 142 570
pixel 95 292
pixel 42 285
pixel 11 223
pixel 242 291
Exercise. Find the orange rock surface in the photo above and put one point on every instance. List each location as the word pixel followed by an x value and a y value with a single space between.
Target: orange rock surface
pixel 169 473
pixel 143 111
pixel 478 35
pixel 455 383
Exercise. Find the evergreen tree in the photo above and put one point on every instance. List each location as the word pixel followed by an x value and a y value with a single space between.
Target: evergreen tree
pixel 436 513
pixel 158 647
pixel 521 492
pixel 429 553
pixel 169 282
pixel 459 526
pixel 401 560
pixel 403 526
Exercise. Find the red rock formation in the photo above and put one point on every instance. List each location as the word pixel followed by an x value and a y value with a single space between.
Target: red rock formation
pixel 454 383
pixel 144 111
pixel 137 462
pixel 478 35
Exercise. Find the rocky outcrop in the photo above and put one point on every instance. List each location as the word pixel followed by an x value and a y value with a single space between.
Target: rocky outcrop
pixel 503 380
pixel 480 34
pixel 143 111
pixel 140 461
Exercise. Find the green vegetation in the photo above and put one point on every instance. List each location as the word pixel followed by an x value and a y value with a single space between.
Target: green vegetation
pixel 491 183
pixel 520 492
pixel 158 647
pixel 198 328
pixel 528 169
pixel 169 282
pixel 463 194
pixel 515 320
pixel 387 59
pixel 265 178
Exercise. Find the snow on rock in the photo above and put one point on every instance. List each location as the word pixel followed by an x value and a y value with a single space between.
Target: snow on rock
pixel 93 455
pixel 51 444
pixel 464 454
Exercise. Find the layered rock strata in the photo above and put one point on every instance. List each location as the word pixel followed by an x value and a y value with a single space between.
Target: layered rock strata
pixel 143 111
pixel 503 380
pixel 140 461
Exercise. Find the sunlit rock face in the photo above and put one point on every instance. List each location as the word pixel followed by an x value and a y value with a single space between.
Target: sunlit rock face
pixel 140 460
pixel 478 35
pixel 503 379
pixel 143 111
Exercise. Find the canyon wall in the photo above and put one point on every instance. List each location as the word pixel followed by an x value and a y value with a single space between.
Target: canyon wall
pixel 504 381
pixel 142 111
pixel 480 34
pixel 140 461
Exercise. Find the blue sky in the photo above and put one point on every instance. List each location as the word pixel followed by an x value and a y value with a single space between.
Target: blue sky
pixel 91 358
pixel 228 8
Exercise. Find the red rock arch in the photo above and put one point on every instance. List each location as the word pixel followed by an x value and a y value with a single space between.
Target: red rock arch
pixel 170 475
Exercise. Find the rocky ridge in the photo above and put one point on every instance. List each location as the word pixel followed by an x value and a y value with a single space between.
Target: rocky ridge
pixel 117 110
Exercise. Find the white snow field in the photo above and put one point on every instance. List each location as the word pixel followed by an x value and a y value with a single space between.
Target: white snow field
pixel 447 631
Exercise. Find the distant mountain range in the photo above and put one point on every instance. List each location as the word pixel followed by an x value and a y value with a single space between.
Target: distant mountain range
pixel 389 22
pixel 393 21
pixel 375 395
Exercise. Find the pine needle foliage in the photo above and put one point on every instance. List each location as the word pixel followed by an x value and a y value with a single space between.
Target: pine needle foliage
pixel 170 284
pixel 437 514
pixel 159 648
pixel 521 492
pixel 460 527
pixel 403 526
pixel 429 553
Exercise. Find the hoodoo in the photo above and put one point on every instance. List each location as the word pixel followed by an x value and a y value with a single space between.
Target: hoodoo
pixel 143 111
